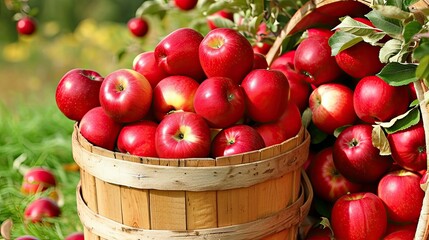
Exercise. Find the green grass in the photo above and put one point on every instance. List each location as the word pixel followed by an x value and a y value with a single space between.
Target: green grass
pixel 36 135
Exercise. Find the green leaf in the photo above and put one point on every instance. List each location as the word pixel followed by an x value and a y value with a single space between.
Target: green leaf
pixel 421 51
pixel 317 136
pixel 410 30
pixel 404 121
pixel 221 22
pixel 398 74
pixel 379 140
pixel 150 8
pixel 422 71
pixel 393 12
pixel 391 50
pixel 350 25
pixel 392 27
pixel 215 7
pixel 408 3
pixel 340 41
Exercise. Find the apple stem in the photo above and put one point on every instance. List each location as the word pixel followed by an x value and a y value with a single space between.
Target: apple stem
pixel 422 231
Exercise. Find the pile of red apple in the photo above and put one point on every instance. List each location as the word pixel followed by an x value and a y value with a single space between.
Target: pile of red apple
pixel 369 195
pixel 193 96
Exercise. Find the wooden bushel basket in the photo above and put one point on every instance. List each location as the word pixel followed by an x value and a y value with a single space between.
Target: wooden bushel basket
pixel 262 194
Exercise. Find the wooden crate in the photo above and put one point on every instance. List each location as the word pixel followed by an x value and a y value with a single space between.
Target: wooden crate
pixel 256 195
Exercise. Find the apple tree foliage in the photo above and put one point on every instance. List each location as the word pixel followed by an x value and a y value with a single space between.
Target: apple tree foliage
pixel 406 54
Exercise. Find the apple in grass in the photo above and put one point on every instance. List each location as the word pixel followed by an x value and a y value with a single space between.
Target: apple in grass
pixel 235 140
pixel 177 53
pixel 78 92
pixel 126 95
pixel 40 209
pixel 100 129
pixel 225 52
pixel 375 100
pixel 355 156
pixel 259 84
pixel 138 138
pixel 408 148
pixel 331 107
pixel 145 64
pixel 287 126
pixel 174 93
pixel 314 62
pixel 37 179
pixel 75 236
pixel 359 216
pixel 27 237
pixel 401 193
pixel 183 135
pixel 220 101
pixel 328 183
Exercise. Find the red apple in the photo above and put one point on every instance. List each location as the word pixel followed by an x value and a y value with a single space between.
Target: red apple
pixel 355 156
pixel 319 32
pixel 287 126
pixel 394 227
pixel 235 140
pixel 183 135
pixel 138 139
pixel 220 101
pixel 138 26
pixel 408 148
pixel 359 216
pixel 375 100
pixel 331 105
pixel 100 129
pixel 26 25
pixel 75 236
pixel 400 235
pixel 78 92
pixel 259 61
pixel 225 52
pixel 401 193
pixel 40 209
pixel 262 44
pixel 145 64
pixel 300 90
pixel 37 179
pixel 219 14
pixel 259 84
pixel 177 53
pixel 313 60
pixel 185 5
pixel 126 95
pixel 174 93
pixel 328 183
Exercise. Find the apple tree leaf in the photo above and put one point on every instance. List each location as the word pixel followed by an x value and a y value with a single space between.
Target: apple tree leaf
pixel 408 3
pixel 422 50
pixel 348 24
pixel 410 30
pixel 379 140
pixel 393 12
pixel 215 7
pixel 221 22
pixel 403 121
pixel 391 51
pixel 340 41
pixel 317 136
pixel 398 74
pixel 422 71
pixel 393 27
pixel 151 8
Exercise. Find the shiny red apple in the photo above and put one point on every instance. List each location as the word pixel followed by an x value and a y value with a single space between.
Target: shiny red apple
pixel 174 93
pixel 185 5
pixel 40 209
pixel 225 52
pixel 359 216
pixel 219 14
pixel 38 179
pixel 183 135
pixel 26 25
pixel 138 26
pixel 145 64
pixel 78 92
pixel 257 86
pixel 138 138
pixel 331 105
pixel 100 129
pixel 220 101
pixel 126 95
pixel 75 236
pixel 235 140
pixel 177 53
pixel 355 156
